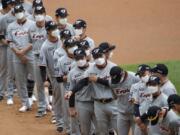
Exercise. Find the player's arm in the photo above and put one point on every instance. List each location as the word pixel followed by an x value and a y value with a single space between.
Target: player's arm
pixel 79 86
pixel 94 78
pixel 26 49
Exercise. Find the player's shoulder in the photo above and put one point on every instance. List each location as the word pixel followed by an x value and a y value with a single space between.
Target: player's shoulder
pixel 111 64
pixel 12 25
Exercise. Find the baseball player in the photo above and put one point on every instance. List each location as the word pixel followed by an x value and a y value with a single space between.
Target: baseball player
pixel 105 105
pixel 163 118
pixel 138 96
pixel 23 57
pixel 26 4
pixel 38 36
pixel 157 99
pixel 121 82
pixel 174 105
pixel 64 65
pixel 85 45
pixel 61 16
pixel 64 34
pixel 108 49
pixel 167 87
pixel 80 27
pixel 7 5
pixel 47 63
pixel 84 101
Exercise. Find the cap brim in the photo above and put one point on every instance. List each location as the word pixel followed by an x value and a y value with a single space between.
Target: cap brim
pixel 112 47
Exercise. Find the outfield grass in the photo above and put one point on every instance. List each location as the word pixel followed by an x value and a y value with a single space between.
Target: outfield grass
pixel 174 71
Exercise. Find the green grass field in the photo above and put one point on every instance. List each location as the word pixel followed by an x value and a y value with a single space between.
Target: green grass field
pixel 174 71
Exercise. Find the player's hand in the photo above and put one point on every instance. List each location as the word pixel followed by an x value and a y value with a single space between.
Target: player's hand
pixel 46 84
pixel 23 59
pixel 77 38
pixel 67 95
pixel 65 78
pixel 137 120
pixel 143 128
pixel 19 53
pixel 72 112
pixel 93 78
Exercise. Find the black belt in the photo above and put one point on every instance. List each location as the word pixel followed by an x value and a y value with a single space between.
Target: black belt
pixel 104 100
pixel 37 55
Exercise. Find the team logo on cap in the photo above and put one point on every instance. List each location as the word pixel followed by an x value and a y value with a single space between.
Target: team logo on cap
pixel 63 11
pixel 83 43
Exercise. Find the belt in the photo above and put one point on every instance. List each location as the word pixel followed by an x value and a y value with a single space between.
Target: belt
pixel 37 55
pixel 104 100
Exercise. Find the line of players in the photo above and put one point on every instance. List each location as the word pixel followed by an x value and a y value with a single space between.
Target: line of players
pixel 88 89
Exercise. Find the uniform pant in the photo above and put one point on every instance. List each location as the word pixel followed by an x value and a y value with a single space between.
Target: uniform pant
pixel 3 69
pixel 22 71
pixel 71 123
pixel 39 86
pixel 11 74
pixel 106 114
pixel 86 116
pixel 125 123
pixel 57 102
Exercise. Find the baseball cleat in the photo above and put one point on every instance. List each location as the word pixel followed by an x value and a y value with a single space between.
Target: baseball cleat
pixel 10 101
pixel 24 109
pixel 41 114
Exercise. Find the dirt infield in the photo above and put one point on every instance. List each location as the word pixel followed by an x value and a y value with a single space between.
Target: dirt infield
pixel 143 30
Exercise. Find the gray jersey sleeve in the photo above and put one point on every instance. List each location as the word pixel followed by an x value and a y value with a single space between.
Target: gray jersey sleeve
pixel 43 61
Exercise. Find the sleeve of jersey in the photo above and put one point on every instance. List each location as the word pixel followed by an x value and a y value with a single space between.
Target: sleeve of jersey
pixel 82 83
pixel 103 82
pixel 43 61
pixel 136 110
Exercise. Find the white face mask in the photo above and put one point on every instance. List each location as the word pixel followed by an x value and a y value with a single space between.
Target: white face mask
pixel 111 54
pixel 100 61
pixel 88 52
pixel 63 21
pixel 78 32
pixel 39 18
pixel 19 15
pixel 145 78
pixel 152 89
pixel 72 49
pixel 81 63
pixel 56 33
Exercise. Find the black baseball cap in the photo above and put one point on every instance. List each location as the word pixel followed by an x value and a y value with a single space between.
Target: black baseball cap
pixel 80 24
pixel 79 53
pixel 5 3
pixel 39 10
pixel 18 8
pixel 161 69
pixel 153 114
pixel 62 12
pixel 83 44
pixel 142 68
pixel 173 99
pixel 153 81
pixel 50 25
pixel 65 34
pixel 106 46
pixel 37 3
pixel 116 73
pixel 97 52
pixel 69 43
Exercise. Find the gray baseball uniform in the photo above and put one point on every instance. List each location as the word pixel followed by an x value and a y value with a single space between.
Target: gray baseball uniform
pixel 91 42
pixel 160 101
pixel 106 113
pixel 139 96
pixel 3 63
pixel 167 122
pixel 122 90
pixel 168 88
pixel 18 34
pixel 28 7
pixel 7 19
pixel 37 37
pixel 46 59
pixel 84 102
pixel 64 65
pixel 70 28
